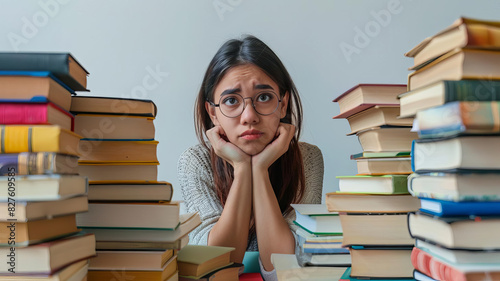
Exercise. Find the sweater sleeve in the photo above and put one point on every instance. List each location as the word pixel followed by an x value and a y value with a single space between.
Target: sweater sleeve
pixel 198 192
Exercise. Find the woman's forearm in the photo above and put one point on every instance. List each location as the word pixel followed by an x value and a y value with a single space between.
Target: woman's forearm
pixel 232 228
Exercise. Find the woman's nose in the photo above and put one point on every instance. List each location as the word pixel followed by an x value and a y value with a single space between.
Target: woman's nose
pixel 249 115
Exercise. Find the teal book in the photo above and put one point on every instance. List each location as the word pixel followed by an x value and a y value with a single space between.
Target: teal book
pixel 385 154
pixel 386 184
pixel 347 277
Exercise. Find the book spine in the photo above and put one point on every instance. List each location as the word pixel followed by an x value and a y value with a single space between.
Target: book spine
pixel 434 268
pixel 472 90
pixel 23 113
pixel 16 139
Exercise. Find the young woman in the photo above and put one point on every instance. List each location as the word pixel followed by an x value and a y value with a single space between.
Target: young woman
pixel 243 180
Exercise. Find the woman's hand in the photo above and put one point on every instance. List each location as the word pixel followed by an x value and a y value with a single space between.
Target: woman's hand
pixel 225 149
pixel 275 149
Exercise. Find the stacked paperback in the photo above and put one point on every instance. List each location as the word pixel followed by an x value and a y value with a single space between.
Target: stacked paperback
pixel 137 227
pixel 454 93
pixel 373 205
pixel 41 190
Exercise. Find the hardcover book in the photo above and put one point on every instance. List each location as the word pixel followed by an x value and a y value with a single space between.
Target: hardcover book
pixel 29 113
pixel 38 163
pixel 387 184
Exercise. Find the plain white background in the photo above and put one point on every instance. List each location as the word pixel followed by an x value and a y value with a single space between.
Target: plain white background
pixel 327 46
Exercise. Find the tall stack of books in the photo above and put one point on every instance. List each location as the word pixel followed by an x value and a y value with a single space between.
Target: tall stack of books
pixel 374 204
pixel 137 227
pixel 454 93
pixel 41 191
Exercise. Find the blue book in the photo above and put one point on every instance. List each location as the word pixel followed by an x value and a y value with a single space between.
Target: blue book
pixel 347 277
pixel 444 208
pixel 326 250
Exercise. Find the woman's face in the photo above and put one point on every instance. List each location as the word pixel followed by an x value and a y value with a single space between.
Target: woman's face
pixel 250 131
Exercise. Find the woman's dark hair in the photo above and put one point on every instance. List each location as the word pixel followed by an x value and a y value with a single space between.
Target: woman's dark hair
pixel 287 173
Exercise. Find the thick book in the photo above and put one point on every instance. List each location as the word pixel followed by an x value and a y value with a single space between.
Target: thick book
pixel 363 96
pixel 382 139
pixel 458 118
pixel 383 262
pixel 28 211
pixel 463 33
pixel 130 260
pixel 463 153
pixel 386 184
pixel 287 268
pixel 38 138
pixel 62 65
pixel 152 215
pixel 130 190
pixel 112 105
pixel 370 203
pixel 456 256
pixel 455 186
pixel 347 277
pixel 376 229
pixel 444 208
pixel 120 171
pixel 38 163
pixel 377 116
pixel 116 127
pixel 384 166
pixel 198 260
pixel 446 91
pixel 458 65
pixel 98 150
pixel 316 219
pixel 456 232
pixel 76 271
pixel 228 273
pixel 34 113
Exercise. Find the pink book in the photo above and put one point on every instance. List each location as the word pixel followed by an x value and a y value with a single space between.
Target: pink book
pixel 27 113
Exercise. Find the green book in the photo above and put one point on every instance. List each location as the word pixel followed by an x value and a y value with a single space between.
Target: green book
pixel 316 219
pixel 385 154
pixel 386 184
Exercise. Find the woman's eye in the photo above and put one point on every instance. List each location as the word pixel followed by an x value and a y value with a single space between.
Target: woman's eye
pixel 230 101
pixel 264 97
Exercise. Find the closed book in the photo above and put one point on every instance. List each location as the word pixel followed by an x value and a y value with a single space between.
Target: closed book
pixel 457 118
pixel 28 211
pixel 129 190
pixel 96 150
pixel 153 215
pixel 130 260
pixel 384 262
pixel 456 232
pixel 287 268
pixel 382 154
pixel 49 257
pixel 377 116
pixel 464 153
pixel 31 113
pixel 227 273
pixel 76 271
pixel 455 186
pixel 333 260
pixel 316 219
pixel 419 276
pixel 42 187
pixel 62 65
pixel 370 203
pixel 465 208
pixel 387 184
pixel 197 260
pixel 456 256
pixel 113 105
pixel 384 166
pixel 376 229
pixel 117 127
pixel 386 139
pixel 347 277
pixel 446 91
pixel 119 171
pixel 38 138
pixel 38 163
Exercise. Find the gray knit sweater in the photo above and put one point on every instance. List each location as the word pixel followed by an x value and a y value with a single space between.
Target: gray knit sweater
pixel 198 189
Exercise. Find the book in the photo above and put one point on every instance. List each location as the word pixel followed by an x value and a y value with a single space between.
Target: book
pixel 254 276
pixel 117 127
pixel 38 138
pixel 446 91
pixel 119 171
pixel 29 211
pixel 130 260
pixel 47 258
pixel 74 272
pixel 117 151
pixel 347 277
pixel 123 273
pixel 382 154
pixel 455 186
pixel 464 153
pixel 326 259
pixel 457 65
pixel 31 113
pixel 457 118
pixel 316 238
pixel 196 260
pixel 43 187
pixel 366 203
pixel 152 215
pixel 315 218
pixel 456 256
pixel 363 96
pixel 287 268
pixel 440 270
pixel 381 262
pixel 62 65
pixel 137 191
pixel 419 276
pixel 386 184
pixel 38 163
pixel 376 229
pixel 228 273
pixel 386 139
pixel 456 232
pixel 112 105
pixel 145 239
pixel 463 33
pixel 377 116
pixel 444 208
pixel 384 166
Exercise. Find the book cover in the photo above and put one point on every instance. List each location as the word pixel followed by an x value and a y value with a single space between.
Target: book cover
pixel 24 113
pixel 386 184
pixel 449 209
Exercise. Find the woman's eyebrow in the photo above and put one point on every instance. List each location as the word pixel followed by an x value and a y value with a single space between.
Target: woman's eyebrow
pixel 263 87
pixel 230 91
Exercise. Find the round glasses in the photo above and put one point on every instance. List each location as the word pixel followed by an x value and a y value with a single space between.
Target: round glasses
pixel 233 105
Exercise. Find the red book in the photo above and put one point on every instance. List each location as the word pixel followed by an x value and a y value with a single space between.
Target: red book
pixel 251 277
pixel 28 113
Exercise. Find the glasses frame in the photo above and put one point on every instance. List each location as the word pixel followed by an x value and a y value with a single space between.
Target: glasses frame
pixel 245 104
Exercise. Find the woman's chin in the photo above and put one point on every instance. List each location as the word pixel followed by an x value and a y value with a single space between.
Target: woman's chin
pixel 252 149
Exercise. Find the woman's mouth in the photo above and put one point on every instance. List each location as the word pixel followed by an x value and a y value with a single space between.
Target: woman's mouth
pixel 251 134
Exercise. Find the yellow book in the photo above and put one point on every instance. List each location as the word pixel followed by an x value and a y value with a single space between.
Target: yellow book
pixel 43 138
pixel 197 260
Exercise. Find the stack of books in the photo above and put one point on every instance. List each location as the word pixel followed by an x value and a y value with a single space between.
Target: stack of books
pixel 137 227
pixel 41 191
pixel 319 237
pixel 454 95
pixel 373 205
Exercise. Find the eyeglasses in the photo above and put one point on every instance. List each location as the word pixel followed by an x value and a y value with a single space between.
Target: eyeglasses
pixel 233 105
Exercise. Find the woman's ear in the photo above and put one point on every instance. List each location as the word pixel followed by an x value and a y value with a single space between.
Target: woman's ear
pixel 211 112
pixel 284 105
